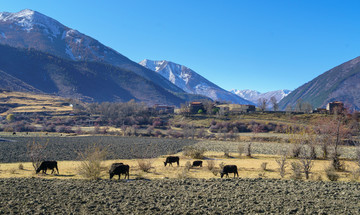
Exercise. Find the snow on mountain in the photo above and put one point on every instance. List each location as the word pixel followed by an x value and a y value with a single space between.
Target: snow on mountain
pixel 191 82
pixel 26 19
pixel 254 96
pixel 31 29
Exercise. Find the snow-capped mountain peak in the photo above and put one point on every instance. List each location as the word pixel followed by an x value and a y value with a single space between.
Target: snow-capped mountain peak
pixel 27 19
pixel 254 96
pixel 191 82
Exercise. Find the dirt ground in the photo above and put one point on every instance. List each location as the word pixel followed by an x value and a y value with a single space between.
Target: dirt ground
pixel 177 196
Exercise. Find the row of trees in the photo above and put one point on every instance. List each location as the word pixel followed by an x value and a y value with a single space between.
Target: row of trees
pixel 300 106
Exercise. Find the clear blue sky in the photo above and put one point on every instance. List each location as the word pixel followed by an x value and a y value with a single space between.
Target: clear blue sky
pixel 261 45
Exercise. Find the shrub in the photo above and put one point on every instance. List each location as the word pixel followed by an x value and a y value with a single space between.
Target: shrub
pixel 240 149
pixel 183 174
pixel 282 165
pixel 331 174
pixel 211 167
pixel 145 165
pixel 194 152
pixel 10 117
pixel 226 152
pixel 188 165
pixel 248 150
pixel 263 166
pixel 21 166
pixel 355 175
pixel 221 165
pixel 296 168
pixel 296 150
pixel 91 162
pixel 336 163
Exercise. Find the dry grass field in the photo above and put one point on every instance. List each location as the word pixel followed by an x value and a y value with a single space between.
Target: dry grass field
pixel 248 168
pixel 27 102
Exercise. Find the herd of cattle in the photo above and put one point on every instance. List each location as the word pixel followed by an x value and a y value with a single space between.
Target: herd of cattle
pixel 124 169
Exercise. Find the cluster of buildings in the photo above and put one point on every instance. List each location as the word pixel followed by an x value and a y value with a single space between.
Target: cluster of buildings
pixel 331 108
pixel 198 107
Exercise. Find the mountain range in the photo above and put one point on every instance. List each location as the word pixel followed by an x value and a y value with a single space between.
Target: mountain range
pixel 32 30
pixel 342 83
pixel 254 96
pixel 39 54
pixel 191 82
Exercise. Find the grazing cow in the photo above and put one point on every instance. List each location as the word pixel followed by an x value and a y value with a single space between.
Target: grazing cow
pixel 48 165
pixel 229 169
pixel 118 169
pixel 197 163
pixel 172 159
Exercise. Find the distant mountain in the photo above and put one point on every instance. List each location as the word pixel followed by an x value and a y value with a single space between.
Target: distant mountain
pixel 341 83
pixel 31 29
pixel 254 96
pixel 191 82
pixel 28 70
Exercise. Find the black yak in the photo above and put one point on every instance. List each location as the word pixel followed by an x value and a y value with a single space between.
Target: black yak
pixel 48 165
pixel 229 169
pixel 172 159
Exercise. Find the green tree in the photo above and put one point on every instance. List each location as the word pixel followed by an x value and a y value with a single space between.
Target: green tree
pixel 10 117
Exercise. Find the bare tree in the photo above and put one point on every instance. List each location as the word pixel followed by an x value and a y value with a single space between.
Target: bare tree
pixel 307 161
pixel 262 102
pixel 274 103
pixel 307 107
pixel 288 108
pixel 282 165
pixel 37 152
pixel 334 131
pixel 299 105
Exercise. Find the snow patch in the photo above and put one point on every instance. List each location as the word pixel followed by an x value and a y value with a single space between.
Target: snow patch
pixel 68 51
pixel 3 35
pixel 27 19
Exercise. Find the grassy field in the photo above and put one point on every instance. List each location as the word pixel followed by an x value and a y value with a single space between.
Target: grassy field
pixel 248 168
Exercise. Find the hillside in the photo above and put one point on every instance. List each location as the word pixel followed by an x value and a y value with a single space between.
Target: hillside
pixel 90 81
pixel 31 29
pixel 341 83
pixel 20 102
pixel 191 82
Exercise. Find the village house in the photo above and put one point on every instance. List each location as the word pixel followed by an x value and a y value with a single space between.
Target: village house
pixel 163 109
pixel 195 107
pixel 333 107
pixel 237 108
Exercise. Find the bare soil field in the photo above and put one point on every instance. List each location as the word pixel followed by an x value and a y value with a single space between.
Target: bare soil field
pixel 177 196
pixel 14 149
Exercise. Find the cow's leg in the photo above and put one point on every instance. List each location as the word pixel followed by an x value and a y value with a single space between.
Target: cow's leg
pixel 170 164
pixel 57 169
pixel 119 176
pixel 177 163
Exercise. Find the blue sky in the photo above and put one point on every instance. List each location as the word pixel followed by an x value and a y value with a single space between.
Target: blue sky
pixel 261 45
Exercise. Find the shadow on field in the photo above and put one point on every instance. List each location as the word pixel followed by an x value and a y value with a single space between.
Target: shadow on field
pixel 65 176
